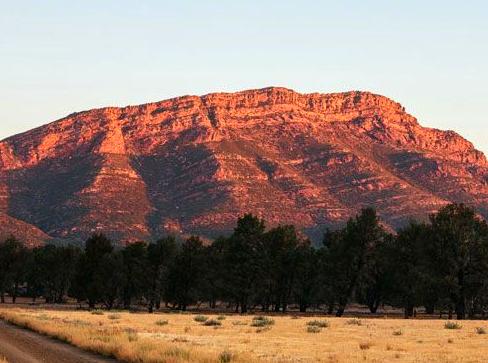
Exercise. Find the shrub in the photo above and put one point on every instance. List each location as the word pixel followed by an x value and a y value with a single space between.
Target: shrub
pixel 398 332
pixel 354 321
pixel 226 357
pixel 313 329
pixel 261 321
pixel 97 312
pixel 113 316
pixel 200 318
pixel 162 322
pixel 212 322
pixel 480 330
pixel 319 323
pixel 221 317
pixel 452 325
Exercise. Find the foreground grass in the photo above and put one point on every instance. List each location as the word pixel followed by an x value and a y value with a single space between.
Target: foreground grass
pixel 3 360
pixel 178 338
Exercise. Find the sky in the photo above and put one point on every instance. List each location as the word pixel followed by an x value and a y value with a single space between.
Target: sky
pixel 58 57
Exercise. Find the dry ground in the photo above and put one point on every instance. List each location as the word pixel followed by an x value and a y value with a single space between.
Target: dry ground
pixel 175 338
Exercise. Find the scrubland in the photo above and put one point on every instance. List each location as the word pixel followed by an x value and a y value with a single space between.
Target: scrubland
pixel 176 338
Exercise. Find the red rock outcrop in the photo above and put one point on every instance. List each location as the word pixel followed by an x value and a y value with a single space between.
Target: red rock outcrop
pixel 194 164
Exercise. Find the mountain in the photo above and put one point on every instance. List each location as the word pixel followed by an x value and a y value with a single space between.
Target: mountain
pixel 192 165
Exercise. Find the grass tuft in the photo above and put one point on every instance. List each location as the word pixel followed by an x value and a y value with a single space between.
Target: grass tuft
pixel 226 357
pixel 480 330
pixel 200 318
pixel 114 316
pixel 318 323
pixel 452 325
pixel 262 321
pixel 212 322
pixel 313 329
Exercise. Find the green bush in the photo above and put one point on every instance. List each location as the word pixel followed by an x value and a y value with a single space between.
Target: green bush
pixel 319 323
pixel 452 325
pixel 212 322
pixel 97 312
pixel 314 329
pixel 200 318
pixel 261 321
pixel 221 317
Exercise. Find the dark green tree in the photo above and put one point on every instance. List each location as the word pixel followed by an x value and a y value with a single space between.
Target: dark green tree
pixel 160 258
pixel 351 253
pixel 407 268
pixel 135 272
pixel 308 276
pixel 213 284
pixel 279 264
pixel 187 274
pixel 91 271
pixel 51 271
pixel 14 260
pixel 243 261
pixel 458 252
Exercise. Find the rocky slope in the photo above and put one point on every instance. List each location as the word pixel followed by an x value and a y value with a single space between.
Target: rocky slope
pixel 194 164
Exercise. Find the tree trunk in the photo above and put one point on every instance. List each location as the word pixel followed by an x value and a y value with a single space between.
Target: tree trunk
pixel 408 313
pixel 461 310
pixel 330 309
pixel 461 300
pixel 430 309
pixel 340 311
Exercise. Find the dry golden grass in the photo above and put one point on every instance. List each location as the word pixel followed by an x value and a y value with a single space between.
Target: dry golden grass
pixel 143 338
pixel 3 360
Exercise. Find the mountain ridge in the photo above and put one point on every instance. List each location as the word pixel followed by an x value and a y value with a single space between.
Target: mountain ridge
pixel 193 164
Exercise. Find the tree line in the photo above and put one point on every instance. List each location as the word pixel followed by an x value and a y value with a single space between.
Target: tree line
pixel 439 265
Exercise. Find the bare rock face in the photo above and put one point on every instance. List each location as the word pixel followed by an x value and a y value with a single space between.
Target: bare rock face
pixel 192 165
pixel 30 235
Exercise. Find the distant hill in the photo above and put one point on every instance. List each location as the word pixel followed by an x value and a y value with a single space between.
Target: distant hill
pixel 192 165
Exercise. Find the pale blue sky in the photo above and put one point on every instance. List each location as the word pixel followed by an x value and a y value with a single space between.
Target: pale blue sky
pixel 57 57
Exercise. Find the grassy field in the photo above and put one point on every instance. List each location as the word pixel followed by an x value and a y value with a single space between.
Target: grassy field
pixel 176 338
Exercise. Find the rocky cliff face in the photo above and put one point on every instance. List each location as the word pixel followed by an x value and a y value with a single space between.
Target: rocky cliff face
pixel 194 164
